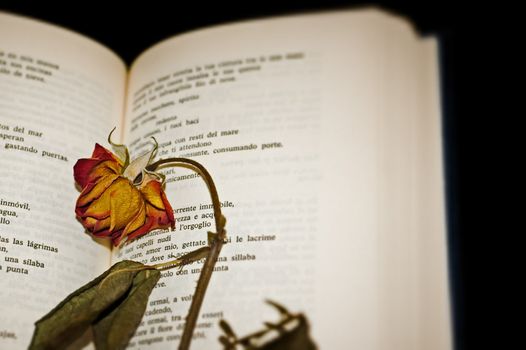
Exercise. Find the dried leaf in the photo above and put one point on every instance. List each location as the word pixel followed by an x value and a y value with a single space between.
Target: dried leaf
pixel 296 339
pixel 290 333
pixel 70 319
pixel 121 150
pixel 227 329
pixel 115 329
pixel 135 168
pixel 280 308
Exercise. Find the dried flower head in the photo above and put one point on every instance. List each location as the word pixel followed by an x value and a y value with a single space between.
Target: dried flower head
pixel 120 200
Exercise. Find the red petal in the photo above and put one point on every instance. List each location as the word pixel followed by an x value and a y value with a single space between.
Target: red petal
pixel 83 168
pixel 144 229
pixel 168 209
pixel 158 203
pixel 93 190
pixel 106 233
pixel 102 153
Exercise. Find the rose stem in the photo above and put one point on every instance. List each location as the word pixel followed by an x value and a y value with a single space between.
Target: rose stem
pixel 215 249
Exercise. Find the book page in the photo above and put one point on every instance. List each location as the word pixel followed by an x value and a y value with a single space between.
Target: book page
pixel 432 248
pixel 411 200
pixel 312 158
pixel 60 93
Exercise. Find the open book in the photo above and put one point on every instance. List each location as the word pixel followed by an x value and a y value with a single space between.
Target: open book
pixel 322 133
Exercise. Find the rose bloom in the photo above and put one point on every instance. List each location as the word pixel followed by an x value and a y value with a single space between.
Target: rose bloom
pixel 120 201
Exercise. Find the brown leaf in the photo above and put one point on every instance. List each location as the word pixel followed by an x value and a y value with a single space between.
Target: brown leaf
pixel 292 332
pixel 70 319
pixel 115 329
pixel 296 339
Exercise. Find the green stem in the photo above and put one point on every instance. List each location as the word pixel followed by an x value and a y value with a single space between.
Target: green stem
pixel 215 248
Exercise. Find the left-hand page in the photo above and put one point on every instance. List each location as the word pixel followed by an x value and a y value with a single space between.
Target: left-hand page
pixel 60 93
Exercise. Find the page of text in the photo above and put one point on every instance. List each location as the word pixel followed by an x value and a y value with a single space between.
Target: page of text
pixel 295 121
pixel 59 94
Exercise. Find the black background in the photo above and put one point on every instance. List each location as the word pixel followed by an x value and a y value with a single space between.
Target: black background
pixel 130 28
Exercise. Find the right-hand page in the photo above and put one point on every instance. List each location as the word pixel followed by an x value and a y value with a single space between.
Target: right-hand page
pixel 322 133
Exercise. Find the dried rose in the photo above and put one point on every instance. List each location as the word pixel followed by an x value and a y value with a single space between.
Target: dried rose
pixel 120 200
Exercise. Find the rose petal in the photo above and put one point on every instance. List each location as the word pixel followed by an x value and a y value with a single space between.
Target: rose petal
pixel 102 153
pixel 136 222
pixel 147 227
pixel 82 170
pixel 151 192
pixel 95 189
pixel 125 202
pixel 102 225
pixel 102 162
pixel 168 210
pixel 101 207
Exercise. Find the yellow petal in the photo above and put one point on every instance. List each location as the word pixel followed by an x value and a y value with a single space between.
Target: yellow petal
pixel 90 222
pixel 125 202
pixel 91 193
pixel 136 222
pixel 102 224
pixel 100 207
pixel 151 190
pixel 105 168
